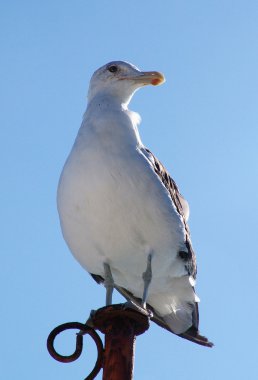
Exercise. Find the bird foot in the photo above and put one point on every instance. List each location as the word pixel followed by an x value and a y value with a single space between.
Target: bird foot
pixel 134 306
pixel 89 321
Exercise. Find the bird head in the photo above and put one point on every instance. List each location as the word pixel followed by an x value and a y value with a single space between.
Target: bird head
pixel 120 80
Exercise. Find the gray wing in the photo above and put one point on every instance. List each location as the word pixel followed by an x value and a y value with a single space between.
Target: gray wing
pixel 181 204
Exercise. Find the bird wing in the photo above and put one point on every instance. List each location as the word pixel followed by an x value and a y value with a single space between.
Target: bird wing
pixel 182 208
pixel 188 257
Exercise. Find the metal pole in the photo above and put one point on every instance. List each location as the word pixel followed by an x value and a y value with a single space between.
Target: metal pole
pixel 121 326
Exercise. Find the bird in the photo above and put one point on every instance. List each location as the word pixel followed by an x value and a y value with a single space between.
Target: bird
pixel 121 213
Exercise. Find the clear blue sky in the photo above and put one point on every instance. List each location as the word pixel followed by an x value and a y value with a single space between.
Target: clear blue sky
pixel 202 124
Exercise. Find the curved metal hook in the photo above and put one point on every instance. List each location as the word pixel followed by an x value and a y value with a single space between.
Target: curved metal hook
pixel 84 329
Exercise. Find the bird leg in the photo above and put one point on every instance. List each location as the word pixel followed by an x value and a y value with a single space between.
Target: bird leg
pixel 108 283
pixel 147 276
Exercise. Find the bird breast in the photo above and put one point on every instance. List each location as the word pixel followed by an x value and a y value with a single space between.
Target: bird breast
pixel 114 209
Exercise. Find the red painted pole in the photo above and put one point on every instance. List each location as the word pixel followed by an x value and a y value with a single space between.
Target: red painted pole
pixel 120 326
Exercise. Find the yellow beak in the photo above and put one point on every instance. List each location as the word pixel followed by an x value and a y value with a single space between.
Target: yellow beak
pixel 148 77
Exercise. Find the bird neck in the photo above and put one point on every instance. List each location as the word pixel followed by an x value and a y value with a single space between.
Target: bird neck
pixel 107 117
pixel 107 99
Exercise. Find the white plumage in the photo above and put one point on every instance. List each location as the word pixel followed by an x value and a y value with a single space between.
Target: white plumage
pixel 115 206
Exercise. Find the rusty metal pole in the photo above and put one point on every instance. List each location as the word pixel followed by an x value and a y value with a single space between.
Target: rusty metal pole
pixel 121 326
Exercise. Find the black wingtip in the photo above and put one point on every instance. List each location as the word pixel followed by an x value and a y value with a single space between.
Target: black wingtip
pixel 97 278
pixel 193 335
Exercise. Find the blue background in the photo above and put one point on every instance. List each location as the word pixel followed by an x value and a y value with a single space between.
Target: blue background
pixel 202 124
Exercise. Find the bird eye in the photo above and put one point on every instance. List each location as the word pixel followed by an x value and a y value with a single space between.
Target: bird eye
pixel 112 69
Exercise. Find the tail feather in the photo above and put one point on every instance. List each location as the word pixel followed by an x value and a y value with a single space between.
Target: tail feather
pixel 192 334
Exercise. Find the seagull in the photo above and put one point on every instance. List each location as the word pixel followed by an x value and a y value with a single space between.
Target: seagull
pixel 121 213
